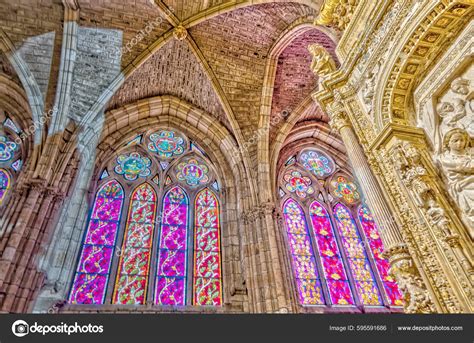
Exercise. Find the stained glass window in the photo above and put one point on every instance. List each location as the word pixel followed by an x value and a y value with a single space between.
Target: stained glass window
pixel 11 125
pixel 104 174
pixel 135 141
pixel 192 172
pixel 376 247
pixel 166 144
pixel 132 166
pixel 347 255
pixel 4 184
pixel 317 163
pixel 345 190
pixel 16 165
pixel 92 273
pixel 172 250
pixel 7 149
pixel 152 255
pixel 336 278
pixel 134 265
pixel 357 257
pixel 299 184
pixel 207 266
pixel 303 259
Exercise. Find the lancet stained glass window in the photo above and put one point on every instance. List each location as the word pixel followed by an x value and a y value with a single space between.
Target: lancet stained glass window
pixel 346 253
pixel 152 253
pixel 302 256
pixel 93 270
pixel 134 265
pixel 207 266
pixel 336 278
pixel 172 266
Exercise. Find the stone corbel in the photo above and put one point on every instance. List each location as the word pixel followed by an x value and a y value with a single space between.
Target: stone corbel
pixel 323 64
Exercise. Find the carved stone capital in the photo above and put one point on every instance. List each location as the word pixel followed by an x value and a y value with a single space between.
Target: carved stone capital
pixel 339 120
pixel 37 184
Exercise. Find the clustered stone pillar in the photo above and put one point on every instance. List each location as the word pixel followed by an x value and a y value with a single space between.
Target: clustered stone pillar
pixel 403 268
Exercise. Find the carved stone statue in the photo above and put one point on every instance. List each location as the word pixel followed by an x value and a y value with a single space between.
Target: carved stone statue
pixel 323 63
pixel 457 108
pixel 458 165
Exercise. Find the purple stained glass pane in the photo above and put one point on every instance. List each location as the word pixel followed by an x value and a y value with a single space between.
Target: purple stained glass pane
pixel 99 243
pixel 101 232
pixel 172 260
pixel 170 291
pixel 173 237
pixel 107 209
pixel 172 263
pixel 95 259
pixel 310 292
pixel 88 289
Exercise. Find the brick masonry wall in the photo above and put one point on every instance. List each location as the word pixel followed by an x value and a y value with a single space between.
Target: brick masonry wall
pixel 173 70
pixel 236 45
pixel 97 64
pixel 37 52
pixel 127 16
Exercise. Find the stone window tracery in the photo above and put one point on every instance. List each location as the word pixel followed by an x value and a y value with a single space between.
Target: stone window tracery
pixel 154 231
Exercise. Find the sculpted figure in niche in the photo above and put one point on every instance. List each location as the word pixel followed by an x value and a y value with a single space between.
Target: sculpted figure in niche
pixel 458 164
pixel 458 110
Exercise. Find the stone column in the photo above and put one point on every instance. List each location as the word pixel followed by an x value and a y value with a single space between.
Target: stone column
pixel 403 268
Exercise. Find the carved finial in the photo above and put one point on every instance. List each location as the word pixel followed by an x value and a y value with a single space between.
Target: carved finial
pixel 323 63
pixel 180 33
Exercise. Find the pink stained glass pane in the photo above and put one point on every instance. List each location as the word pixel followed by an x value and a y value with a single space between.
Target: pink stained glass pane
pixel 93 269
pixel 376 247
pixel 336 278
pixel 134 265
pixel 4 184
pixel 207 289
pixel 172 252
pixel 357 257
pixel 304 266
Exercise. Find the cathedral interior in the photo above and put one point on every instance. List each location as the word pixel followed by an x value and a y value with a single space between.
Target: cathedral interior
pixel 247 156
